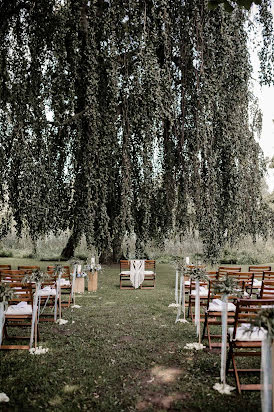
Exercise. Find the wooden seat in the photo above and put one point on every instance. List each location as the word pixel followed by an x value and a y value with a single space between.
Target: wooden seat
pixel 242 343
pixel 19 317
pixel 47 299
pixel 150 275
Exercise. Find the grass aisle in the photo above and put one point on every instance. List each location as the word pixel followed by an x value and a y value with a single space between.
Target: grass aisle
pixel 121 351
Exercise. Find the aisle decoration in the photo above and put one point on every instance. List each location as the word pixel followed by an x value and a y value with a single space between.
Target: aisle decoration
pixel 227 286
pixel 197 274
pixel 182 270
pixel 265 320
pixel 6 294
pixel 37 276
pixel 178 263
pixel 93 270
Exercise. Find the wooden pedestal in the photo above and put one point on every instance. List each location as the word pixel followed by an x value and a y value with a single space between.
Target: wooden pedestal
pixel 79 285
pixel 92 281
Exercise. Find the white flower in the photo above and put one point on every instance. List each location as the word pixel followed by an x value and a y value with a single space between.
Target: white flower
pixel 38 351
pixel 223 389
pixel 62 321
pixel 195 345
pixel 4 397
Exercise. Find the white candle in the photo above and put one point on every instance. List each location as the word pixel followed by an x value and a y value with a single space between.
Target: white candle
pixel 78 269
pixel 187 260
pixel 92 261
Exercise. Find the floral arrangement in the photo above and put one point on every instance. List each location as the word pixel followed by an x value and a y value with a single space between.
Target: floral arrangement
pixel 6 293
pixel 227 286
pixel 265 320
pixel 197 274
pixel 94 267
pixel 179 263
pixel 37 276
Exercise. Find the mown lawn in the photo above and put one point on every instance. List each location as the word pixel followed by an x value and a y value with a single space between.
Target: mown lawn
pixel 121 351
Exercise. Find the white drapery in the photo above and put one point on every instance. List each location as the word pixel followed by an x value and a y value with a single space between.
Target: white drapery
pixel 137 272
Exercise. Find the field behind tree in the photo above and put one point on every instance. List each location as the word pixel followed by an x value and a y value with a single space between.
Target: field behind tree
pixel 121 351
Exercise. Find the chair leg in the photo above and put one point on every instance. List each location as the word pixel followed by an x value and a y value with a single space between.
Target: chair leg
pixel 236 373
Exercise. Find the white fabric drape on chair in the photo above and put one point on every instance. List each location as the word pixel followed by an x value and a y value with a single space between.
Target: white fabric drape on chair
pixel 137 272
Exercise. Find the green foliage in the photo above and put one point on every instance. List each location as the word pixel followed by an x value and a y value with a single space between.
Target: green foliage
pixel 265 319
pixel 6 253
pixel 129 117
pixel 227 286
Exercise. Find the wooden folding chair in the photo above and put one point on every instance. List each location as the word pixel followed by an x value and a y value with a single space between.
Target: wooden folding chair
pixel 19 315
pixel 267 289
pixel 65 284
pixel 150 275
pixel 125 275
pixel 245 278
pixel 46 298
pixel 243 343
pixel 213 314
pixel 258 279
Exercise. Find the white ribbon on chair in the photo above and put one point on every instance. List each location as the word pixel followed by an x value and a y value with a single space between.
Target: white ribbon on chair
pixel 197 309
pixel 176 287
pixel 137 272
pixel 179 302
pixel 73 281
pixel 2 320
pixel 266 377
pixel 34 315
pixel 224 339
pixel 56 297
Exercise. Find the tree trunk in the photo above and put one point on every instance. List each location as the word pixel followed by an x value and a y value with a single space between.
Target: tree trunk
pixel 71 245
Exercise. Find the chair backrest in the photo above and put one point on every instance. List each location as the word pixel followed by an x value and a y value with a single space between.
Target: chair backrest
pixel 8 267
pixel 267 289
pixel 246 277
pixel 226 269
pixel 22 293
pixel 149 265
pixel 12 275
pixel 268 275
pixel 196 266
pixel 247 310
pixel 28 268
pixel 66 269
pixel 259 268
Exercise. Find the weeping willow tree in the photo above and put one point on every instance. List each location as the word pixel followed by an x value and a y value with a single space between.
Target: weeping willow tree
pixel 128 117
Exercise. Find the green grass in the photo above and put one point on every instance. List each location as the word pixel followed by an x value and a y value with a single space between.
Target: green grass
pixel 122 353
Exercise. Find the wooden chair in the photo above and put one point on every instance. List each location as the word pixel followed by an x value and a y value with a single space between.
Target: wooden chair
pixel 213 314
pixel 19 316
pixel 150 275
pixel 267 289
pixel 243 278
pixel 47 297
pixel 66 285
pixel 243 343
pixel 258 279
